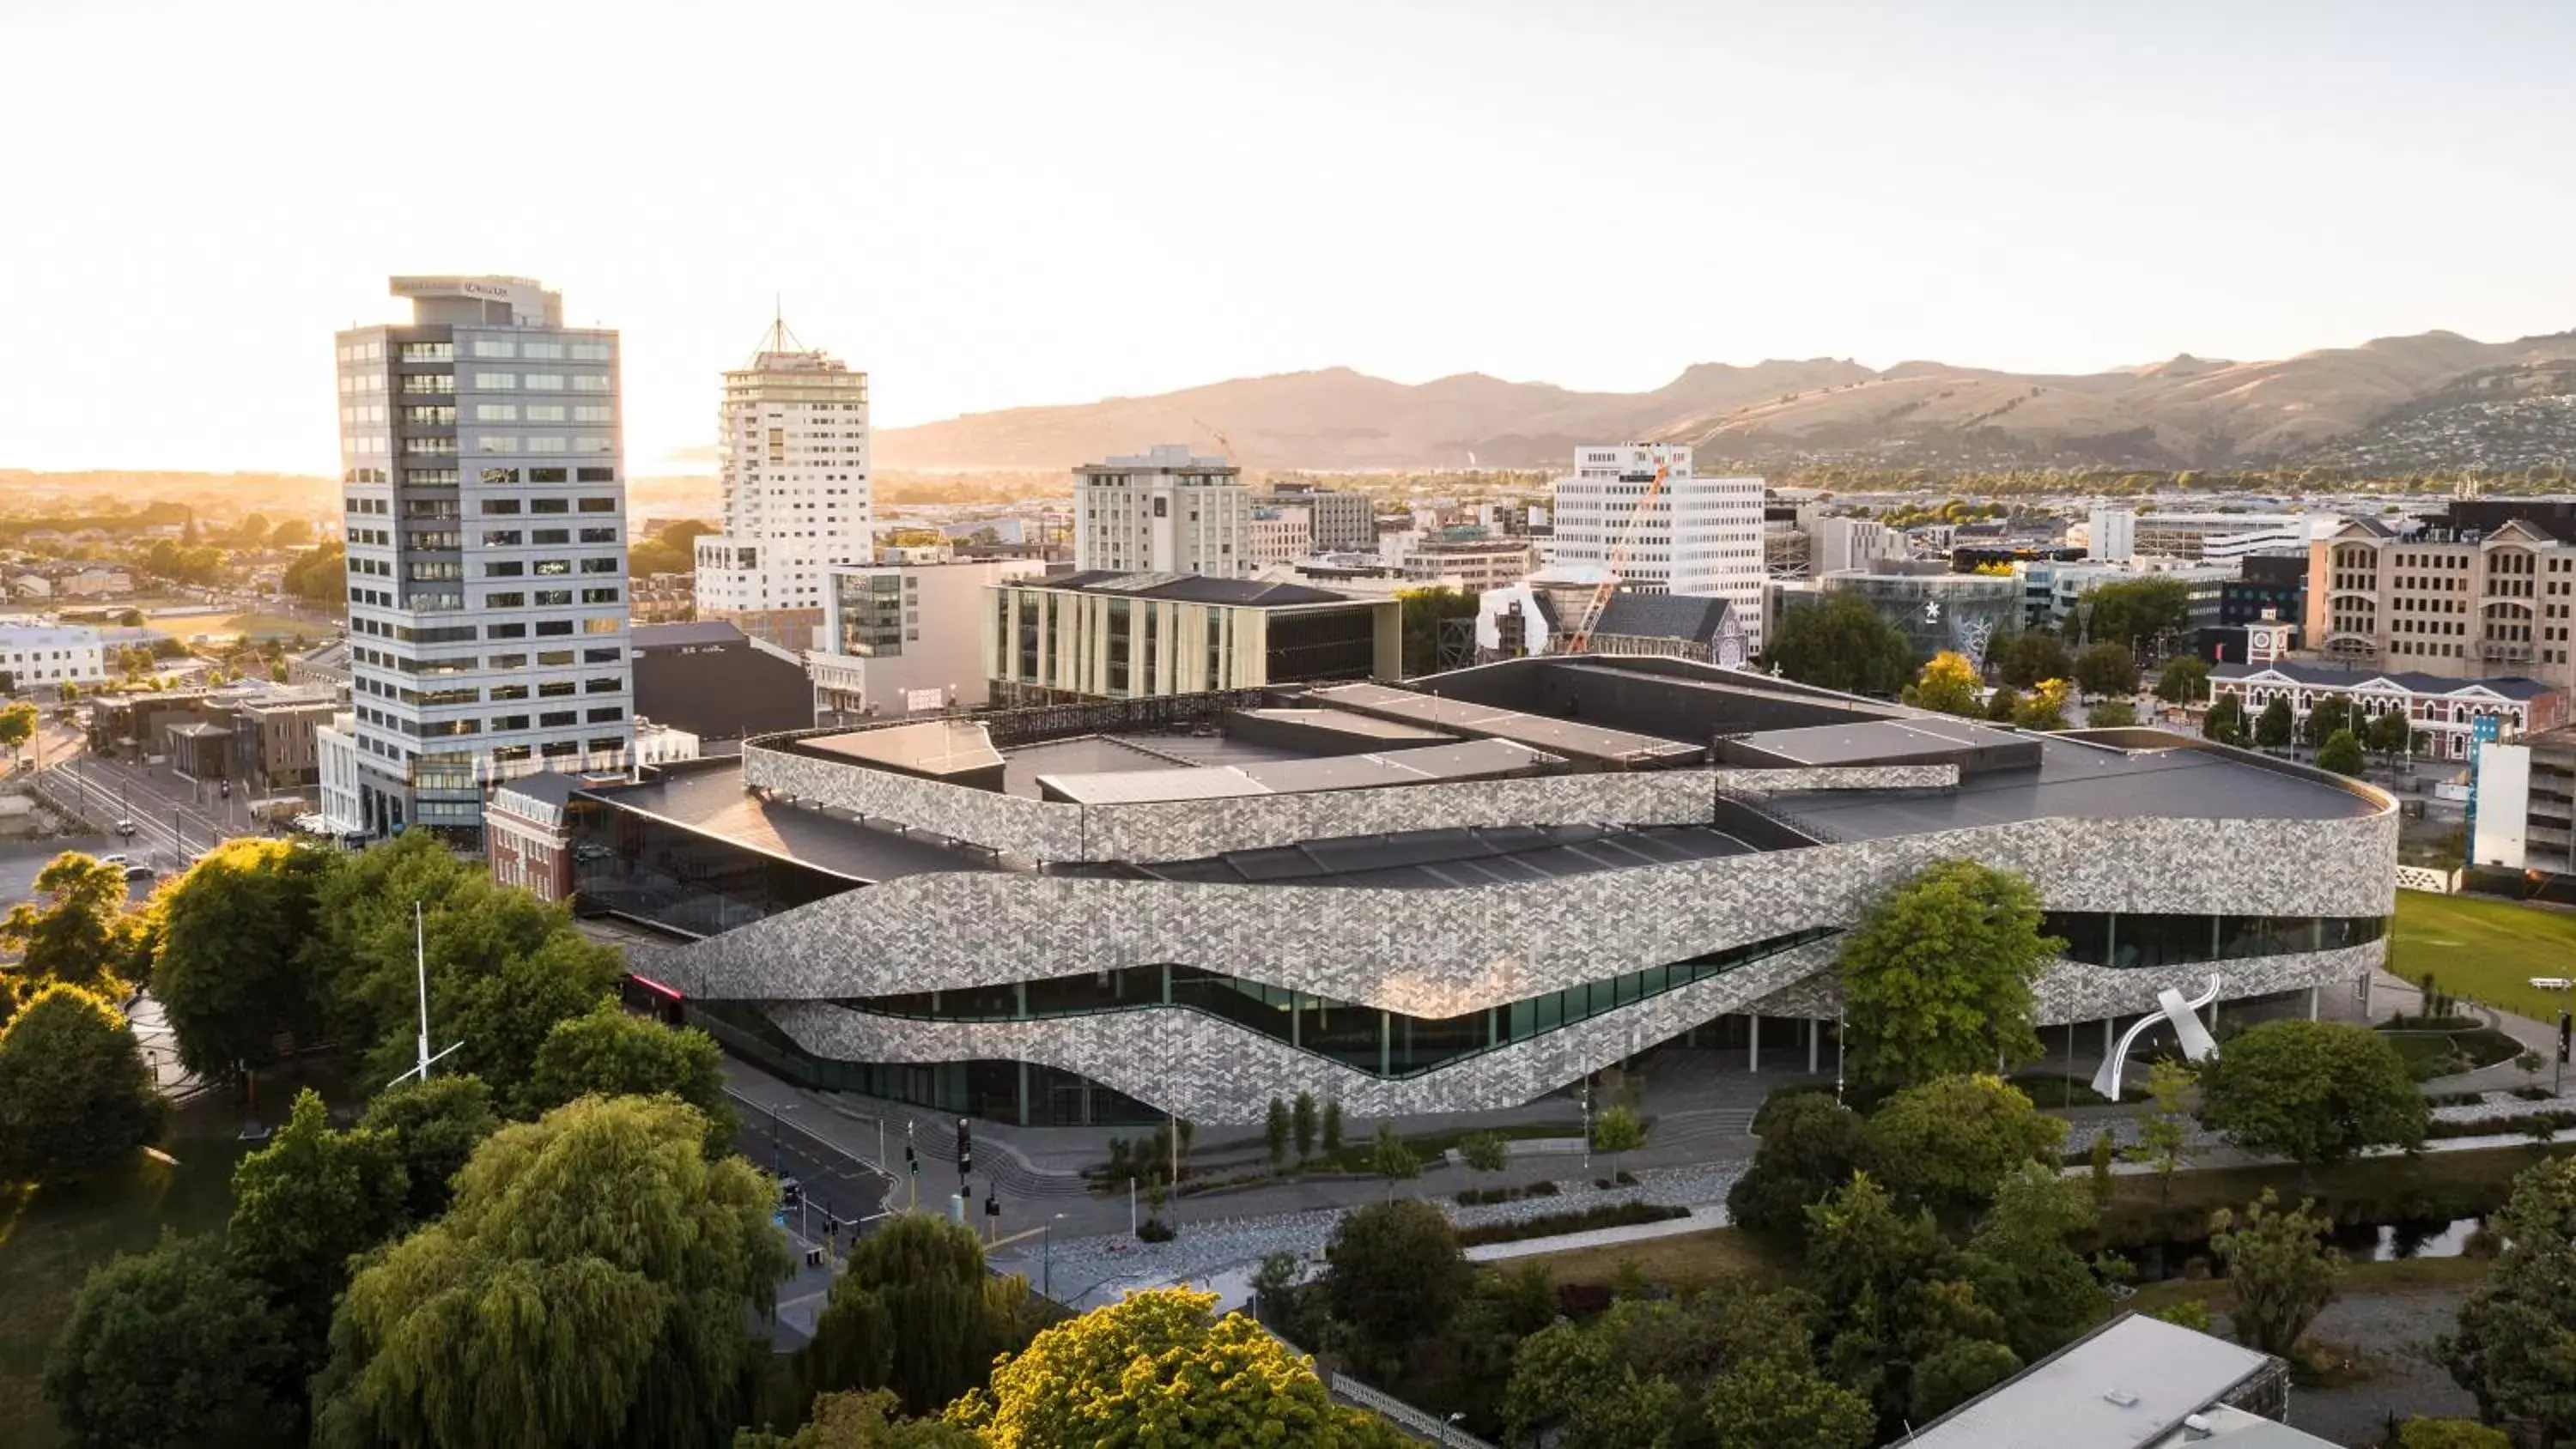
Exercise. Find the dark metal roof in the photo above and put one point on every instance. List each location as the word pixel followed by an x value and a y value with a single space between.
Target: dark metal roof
pixel 1446 859
pixel 1662 616
pixel 2512 686
pixel 1190 589
pixel 713 802
pixel 550 787
pixel 696 631
pixel 1459 716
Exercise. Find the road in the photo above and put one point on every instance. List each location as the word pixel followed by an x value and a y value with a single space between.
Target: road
pixel 836 1190
pixel 172 824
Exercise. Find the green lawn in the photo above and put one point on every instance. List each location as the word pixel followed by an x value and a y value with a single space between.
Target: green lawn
pixel 2486 950
pixel 50 1240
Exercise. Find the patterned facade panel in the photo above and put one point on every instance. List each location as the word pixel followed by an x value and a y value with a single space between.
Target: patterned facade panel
pixel 1012 824
pixel 1442 952
pixel 2076 991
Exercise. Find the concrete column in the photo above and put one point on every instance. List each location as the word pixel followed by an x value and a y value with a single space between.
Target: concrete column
pixel 2312 1003
pixel 1815 1043
pixel 2110 1038
pixel 1753 1041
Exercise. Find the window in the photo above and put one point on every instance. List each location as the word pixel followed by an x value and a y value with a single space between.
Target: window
pixel 551 598
pixel 496 382
pixel 598 565
pixel 557 689
pixel 536 351
pixel 606 714
pixel 590 384
pixel 507 569
pixel 605 685
pixel 548 628
pixel 494 413
pixel 599 656
pixel 550 658
pixel 500 538
pixel 550 505
pixel 505 631
pixel 602 626
pixel 543 382
pixel 494 347
pixel 545 475
pixel 428 352
pixel 596 475
pixel 590 414
pixel 599 596
pixel 545 412
pixel 487 443
pixel 600 535
pixel 509 721
pixel 552 566
pixel 599 505
pixel 590 352
pixel 500 505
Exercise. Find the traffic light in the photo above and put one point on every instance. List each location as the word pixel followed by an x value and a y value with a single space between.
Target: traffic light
pixel 831 1226
pixel 965 1147
pixel 2563 1038
pixel 911 1160
pixel 992 1203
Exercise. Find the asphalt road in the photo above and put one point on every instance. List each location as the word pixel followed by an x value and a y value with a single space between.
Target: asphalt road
pixel 175 819
pixel 19 862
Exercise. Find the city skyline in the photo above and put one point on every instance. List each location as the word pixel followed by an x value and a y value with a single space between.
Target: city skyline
pixel 1030 207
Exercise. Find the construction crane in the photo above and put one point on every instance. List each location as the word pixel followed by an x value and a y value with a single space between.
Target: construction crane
pixel 1600 600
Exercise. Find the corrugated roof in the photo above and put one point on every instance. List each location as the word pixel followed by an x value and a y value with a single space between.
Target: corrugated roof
pixel 1662 616
pixel 2511 686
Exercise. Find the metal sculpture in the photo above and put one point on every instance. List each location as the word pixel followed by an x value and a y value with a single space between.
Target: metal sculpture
pixel 2196 1042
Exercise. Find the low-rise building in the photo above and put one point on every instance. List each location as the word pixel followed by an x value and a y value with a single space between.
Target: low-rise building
pixel 1072 637
pixel 1476 560
pixel 1279 534
pixel 907 636
pixel 275 745
pixel 2134 1383
pixel 95 582
pixel 51 655
pixel 335 757
pixel 1339 521
pixel 524 839
pixel 716 682
pixel 2444 713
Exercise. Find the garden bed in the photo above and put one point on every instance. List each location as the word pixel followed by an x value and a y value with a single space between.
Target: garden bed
pixel 1578 1220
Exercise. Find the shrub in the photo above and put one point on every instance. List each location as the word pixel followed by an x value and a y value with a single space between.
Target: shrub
pixel 1578 1220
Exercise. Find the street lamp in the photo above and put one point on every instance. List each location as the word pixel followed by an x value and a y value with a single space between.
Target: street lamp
pixel 1046 1269
pixel 776 1166
pixel 2558 1054
pixel 1445 1425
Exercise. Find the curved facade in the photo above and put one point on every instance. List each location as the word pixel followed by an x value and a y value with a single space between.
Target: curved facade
pixel 1512 934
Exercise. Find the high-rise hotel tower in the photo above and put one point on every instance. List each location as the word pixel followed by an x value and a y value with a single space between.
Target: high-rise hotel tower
pixel 485 499
pixel 794 452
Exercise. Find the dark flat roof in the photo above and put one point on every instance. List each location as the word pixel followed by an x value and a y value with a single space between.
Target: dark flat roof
pixel 1345 722
pixel 713 802
pixel 2083 782
pixel 1880 741
pixel 1447 859
pixel 695 631
pixel 1459 716
pixel 2511 686
pixel 1189 589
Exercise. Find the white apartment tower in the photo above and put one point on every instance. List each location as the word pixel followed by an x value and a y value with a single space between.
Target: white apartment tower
pixel 485 503
pixel 1698 536
pixel 1162 512
pixel 793 443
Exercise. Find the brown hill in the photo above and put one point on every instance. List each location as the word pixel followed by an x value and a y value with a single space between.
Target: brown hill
pixel 2186 412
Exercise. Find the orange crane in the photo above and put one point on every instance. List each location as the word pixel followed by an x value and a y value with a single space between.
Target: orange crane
pixel 1600 600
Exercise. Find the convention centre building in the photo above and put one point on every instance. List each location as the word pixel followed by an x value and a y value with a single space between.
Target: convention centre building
pixel 1458 894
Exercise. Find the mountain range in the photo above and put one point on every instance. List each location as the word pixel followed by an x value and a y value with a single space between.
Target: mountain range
pixel 2188 412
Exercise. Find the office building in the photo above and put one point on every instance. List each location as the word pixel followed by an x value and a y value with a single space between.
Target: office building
pixel 1456 896
pixel 48 656
pixel 2111 535
pixel 2484 587
pixel 2223 535
pixel 1164 512
pixel 1071 637
pixel 1697 535
pixel 485 496
pixel 907 637
pixel 792 444
pixel 1341 522
pixel 1837 544
pixel 335 766
pixel 1470 559
pixel 275 740
pixel 2445 713
pixel 1278 534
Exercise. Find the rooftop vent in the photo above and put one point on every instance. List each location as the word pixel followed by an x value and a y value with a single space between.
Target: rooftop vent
pixel 2121 1397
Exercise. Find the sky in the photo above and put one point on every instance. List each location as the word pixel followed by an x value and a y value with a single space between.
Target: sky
pixel 992 205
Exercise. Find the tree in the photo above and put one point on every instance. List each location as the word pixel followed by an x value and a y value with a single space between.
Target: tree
pixel 2045 706
pixel 1862 1249
pixel 2316 1092
pixel 1810 1145
pixel 2391 735
pixel 173 1346
pixel 1397 1274
pixel 2330 714
pixel 2162 1137
pixel 2342 754
pixel 1302 1117
pixel 1770 1404
pixel 74 1092
pixel 1424 611
pixel 1575 1378
pixel 589 1286
pixel 1957 1372
pixel 1332 1126
pixel 862 1421
pixel 436 1125
pixel 2031 656
pixel 2450 1434
pixel 2224 723
pixel 1840 643
pixel 320 575
pixel 1275 1132
pixel 1156 1368
pixel 81 933
pixel 2003 704
pixel 1485 1151
pixel 2274 728
pixel 2282 1266
pixel 229 969
pixel 912 1315
pixel 2107 669
pixel 308 1203
pixel 2515 1344
pixel 291 533
pixel 1614 1131
pixel 1948 684
pixel 17 724
pixel 610 1052
pixel 1948 1143
pixel 1937 976
pixel 2184 680
pixel 2138 612
pixel 2023 1264
pixel 2111 714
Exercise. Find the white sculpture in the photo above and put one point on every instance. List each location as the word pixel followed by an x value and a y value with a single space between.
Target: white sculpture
pixel 2196 1042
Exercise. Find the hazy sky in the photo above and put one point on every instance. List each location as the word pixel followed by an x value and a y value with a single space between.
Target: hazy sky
pixel 988 205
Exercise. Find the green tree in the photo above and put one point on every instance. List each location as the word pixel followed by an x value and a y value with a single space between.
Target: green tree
pixel 2450 1434
pixel 1948 1143
pixel 79 931
pixel 1157 1368
pixel 436 1125
pixel 291 533
pixel 2282 1266
pixel 1302 1118
pixel 1840 643
pixel 1275 1132
pixel 229 969
pixel 1397 1274
pixel 2004 705
pixel 75 1095
pixel 2322 721
pixel 610 1052
pixel 1957 1372
pixel 2023 1264
pixel 2224 722
pixel 2111 714
pixel 862 1421
pixel 2392 736
pixel 2163 1134
pixel 2106 669
pixel 912 1315
pixel 2515 1344
pixel 2316 1092
pixel 2191 1313
pixel 174 1346
pixel 2138 612
pixel 1770 1404
pixel 2184 680
pixel 1949 684
pixel 2274 728
pixel 1573 1381
pixel 1937 976
pixel 308 1203
pixel 1425 610
pixel 1485 1151
pixel 1391 1159
pixel 2031 656
pixel 589 1286
pixel 1332 1126
pixel 17 726
pixel 1616 1130
pixel 2044 708
pixel 320 575
pixel 1809 1145
pixel 2342 754
pixel 1862 1248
